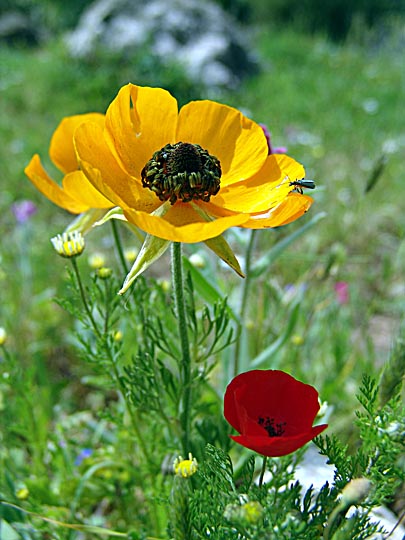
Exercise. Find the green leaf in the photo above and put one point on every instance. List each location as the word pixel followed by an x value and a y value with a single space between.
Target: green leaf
pixel 271 350
pixel 264 262
pixel 75 526
pixel 7 532
pixel 208 292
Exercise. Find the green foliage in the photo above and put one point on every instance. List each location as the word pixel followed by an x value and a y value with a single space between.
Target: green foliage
pixel 333 17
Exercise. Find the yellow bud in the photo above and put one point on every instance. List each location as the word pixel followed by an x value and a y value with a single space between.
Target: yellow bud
pixel 252 511
pixel 22 493
pixel 104 272
pixel 297 340
pixel 97 260
pixel 250 325
pixel 118 335
pixel 185 467
pixel 165 285
pixel 130 254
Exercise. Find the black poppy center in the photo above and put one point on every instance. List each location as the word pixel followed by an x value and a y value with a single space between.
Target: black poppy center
pixel 182 171
pixel 273 428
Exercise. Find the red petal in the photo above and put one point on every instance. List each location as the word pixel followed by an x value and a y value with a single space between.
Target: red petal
pixel 278 446
pixel 270 393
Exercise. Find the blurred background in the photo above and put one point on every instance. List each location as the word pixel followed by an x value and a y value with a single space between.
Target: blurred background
pixel 328 80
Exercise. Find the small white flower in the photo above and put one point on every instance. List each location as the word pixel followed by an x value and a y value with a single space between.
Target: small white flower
pixel 69 244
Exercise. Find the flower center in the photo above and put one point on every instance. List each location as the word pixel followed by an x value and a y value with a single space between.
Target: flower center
pixel 182 171
pixel 273 429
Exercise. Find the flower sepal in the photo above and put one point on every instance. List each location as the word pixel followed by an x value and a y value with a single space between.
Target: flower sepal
pixel 152 248
pixel 85 221
pixel 114 213
pixel 222 249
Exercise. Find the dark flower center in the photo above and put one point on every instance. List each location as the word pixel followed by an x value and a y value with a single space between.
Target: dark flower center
pixel 182 171
pixel 272 428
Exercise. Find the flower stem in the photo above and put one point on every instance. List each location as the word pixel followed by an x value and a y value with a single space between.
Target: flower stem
pixel 262 471
pixel 83 297
pixel 185 366
pixel 118 245
pixel 245 295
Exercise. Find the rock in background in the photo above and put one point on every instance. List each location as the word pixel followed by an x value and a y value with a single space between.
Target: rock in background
pixel 199 36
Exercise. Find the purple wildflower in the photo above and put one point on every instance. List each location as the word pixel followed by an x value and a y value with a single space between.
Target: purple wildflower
pixel 276 149
pixel 85 453
pixel 342 292
pixel 23 210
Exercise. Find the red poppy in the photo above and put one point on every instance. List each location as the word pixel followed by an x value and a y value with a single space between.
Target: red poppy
pixel 272 411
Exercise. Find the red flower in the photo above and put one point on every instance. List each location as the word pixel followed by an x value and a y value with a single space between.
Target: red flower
pixel 272 411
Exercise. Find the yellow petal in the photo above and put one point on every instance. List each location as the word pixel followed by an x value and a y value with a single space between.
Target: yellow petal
pixel 182 224
pixel 76 185
pixel 106 175
pixel 139 121
pixel 38 176
pixel 238 143
pixel 293 207
pixel 61 150
pixel 265 189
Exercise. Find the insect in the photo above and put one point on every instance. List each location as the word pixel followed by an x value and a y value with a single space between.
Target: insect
pixel 303 183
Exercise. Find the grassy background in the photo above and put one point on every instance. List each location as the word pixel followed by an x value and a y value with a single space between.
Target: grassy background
pixel 337 107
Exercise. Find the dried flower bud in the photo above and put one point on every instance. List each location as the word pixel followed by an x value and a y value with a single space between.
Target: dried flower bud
pixel 355 491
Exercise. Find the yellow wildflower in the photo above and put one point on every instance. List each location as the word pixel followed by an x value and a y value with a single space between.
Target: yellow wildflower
pixel 188 175
pixel 76 194
pixel 185 467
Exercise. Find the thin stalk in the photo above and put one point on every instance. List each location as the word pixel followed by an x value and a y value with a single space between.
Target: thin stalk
pixel 185 366
pixel 131 412
pixel 118 245
pixel 245 296
pixel 261 478
pixel 83 297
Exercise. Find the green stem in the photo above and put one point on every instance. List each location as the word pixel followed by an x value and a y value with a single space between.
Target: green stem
pixel 263 471
pixel 83 297
pixel 245 296
pixel 185 366
pixel 118 245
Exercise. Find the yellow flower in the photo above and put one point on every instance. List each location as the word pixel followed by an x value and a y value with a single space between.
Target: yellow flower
pixel 76 194
pixel 184 468
pixel 188 175
pixel 22 493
